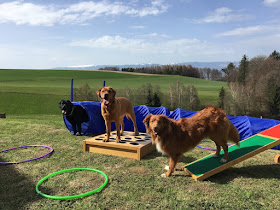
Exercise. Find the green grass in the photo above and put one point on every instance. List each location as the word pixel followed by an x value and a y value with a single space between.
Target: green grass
pixel 30 97
pixel 39 91
pixel 251 184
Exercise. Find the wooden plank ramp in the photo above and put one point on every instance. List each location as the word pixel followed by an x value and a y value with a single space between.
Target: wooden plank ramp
pixel 208 166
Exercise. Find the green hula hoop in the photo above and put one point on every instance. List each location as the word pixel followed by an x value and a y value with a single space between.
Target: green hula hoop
pixel 71 196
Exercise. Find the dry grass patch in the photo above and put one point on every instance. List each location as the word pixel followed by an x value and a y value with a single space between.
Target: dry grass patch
pixel 139 170
pixel 73 183
pixel 24 153
pixel 57 131
pixel 202 187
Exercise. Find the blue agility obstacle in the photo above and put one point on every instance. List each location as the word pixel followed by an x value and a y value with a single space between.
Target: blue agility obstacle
pixel 247 126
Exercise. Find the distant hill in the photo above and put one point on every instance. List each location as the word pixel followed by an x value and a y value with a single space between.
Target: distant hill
pixel 96 67
pixel 212 65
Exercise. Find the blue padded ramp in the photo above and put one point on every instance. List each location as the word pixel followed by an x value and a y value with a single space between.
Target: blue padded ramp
pixel 247 126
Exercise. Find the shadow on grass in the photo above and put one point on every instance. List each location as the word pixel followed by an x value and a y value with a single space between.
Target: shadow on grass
pixel 155 154
pixel 16 189
pixel 187 159
pixel 256 171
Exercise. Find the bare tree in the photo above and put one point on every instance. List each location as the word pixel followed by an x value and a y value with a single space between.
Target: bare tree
pixel 194 102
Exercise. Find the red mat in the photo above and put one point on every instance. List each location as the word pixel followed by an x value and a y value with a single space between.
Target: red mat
pixel 272 132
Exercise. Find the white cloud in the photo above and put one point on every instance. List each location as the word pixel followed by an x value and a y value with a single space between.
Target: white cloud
pixel 154 35
pixel 48 15
pixel 222 15
pixel 158 7
pixel 81 66
pixel 112 42
pixel 113 50
pixel 177 50
pixel 27 13
pixel 138 27
pixel 252 30
pixel 118 42
pixel 271 2
pixel 260 45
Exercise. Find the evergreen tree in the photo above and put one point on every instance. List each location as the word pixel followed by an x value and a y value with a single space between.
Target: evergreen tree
pixel 273 97
pixel 156 100
pixel 275 55
pixel 222 95
pixel 149 101
pixel 229 72
pixel 243 70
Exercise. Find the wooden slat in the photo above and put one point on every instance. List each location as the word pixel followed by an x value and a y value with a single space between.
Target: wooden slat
pixel 121 149
pixel 277 159
pixel 114 151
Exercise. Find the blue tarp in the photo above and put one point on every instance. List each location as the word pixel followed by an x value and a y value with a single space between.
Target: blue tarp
pixel 95 125
pixel 247 126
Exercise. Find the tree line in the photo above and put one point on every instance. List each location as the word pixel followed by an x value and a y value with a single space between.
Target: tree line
pixel 177 96
pixel 253 87
pixel 182 70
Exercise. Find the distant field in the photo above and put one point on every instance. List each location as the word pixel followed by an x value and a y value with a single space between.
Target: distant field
pixel 39 91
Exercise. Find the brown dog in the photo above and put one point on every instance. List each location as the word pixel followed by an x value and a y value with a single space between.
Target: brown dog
pixel 174 137
pixel 113 110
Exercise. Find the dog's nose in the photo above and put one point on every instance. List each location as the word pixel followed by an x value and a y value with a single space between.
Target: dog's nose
pixel 156 129
pixel 106 96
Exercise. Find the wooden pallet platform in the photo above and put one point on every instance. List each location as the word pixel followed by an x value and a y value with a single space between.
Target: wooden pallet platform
pixel 131 146
pixel 208 166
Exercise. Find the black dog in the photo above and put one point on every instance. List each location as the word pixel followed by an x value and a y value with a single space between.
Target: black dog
pixel 75 114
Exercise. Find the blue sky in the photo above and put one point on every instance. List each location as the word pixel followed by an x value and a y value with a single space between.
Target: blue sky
pixel 53 33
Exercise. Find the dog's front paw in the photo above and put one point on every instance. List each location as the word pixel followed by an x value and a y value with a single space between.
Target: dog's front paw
pixel 215 155
pixel 78 134
pixel 163 175
pixel 118 140
pixel 105 140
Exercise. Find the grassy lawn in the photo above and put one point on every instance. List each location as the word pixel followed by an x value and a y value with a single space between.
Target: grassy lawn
pixel 20 90
pixel 30 97
pixel 252 184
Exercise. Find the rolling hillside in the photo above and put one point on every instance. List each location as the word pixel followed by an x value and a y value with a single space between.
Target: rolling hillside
pixel 39 91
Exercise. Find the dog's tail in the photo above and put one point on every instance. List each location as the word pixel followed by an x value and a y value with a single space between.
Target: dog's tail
pixel 233 134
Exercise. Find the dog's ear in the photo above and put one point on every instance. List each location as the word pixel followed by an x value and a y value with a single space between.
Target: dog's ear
pixel 61 103
pixel 69 103
pixel 167 122
pixel 146 121
pixel 165 119
pixel 113 92
pixel 98 92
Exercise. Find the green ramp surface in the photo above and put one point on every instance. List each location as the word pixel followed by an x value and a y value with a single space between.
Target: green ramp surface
pixel 208 166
